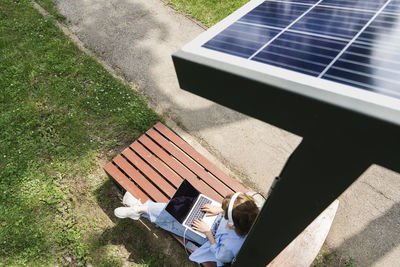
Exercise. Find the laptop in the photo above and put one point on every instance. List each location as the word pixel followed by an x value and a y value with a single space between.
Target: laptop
pixel 185 206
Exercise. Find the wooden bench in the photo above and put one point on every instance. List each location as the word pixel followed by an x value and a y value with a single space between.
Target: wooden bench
pixel 155 164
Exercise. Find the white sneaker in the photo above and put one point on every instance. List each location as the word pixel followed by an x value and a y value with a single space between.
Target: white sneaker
pixel 130 200
pixel 127 212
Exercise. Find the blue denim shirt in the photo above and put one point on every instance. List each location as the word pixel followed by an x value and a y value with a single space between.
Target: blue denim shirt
pixel 227 241
pixel 226 247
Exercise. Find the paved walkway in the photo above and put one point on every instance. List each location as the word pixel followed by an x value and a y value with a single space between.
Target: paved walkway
pixel 138 38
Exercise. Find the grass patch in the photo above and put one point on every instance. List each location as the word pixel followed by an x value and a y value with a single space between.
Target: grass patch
pixel 208 12
pixel 51 7
pixel 350 263
pixel 329 258
pixel 323 259
pixel 60 112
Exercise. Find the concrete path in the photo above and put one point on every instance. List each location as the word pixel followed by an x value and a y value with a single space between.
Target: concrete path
pixel 138 37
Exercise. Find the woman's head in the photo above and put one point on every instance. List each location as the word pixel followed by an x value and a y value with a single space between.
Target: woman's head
pixel 244 212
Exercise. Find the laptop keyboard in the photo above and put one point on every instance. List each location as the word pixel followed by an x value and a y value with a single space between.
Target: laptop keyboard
pixel 196 212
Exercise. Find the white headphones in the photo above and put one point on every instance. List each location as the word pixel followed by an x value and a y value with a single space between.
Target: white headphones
pixel 230 207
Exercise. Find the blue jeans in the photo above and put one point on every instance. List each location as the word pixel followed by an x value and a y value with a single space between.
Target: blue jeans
pixel 158 215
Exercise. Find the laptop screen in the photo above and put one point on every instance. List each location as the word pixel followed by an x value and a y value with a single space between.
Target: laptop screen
pixel 183 200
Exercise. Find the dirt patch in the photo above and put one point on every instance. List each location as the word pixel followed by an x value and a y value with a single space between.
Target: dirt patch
pixel 328 258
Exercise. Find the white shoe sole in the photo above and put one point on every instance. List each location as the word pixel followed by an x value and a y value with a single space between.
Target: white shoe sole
pixel 124 212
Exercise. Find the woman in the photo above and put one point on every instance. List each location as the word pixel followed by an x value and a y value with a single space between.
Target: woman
pixel 222 243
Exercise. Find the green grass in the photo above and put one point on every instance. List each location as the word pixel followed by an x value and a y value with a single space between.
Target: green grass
pixel 208 12
pixel 327 258
pixel 323 259
pixel 60 112
pixel 350 263
pixel 51 7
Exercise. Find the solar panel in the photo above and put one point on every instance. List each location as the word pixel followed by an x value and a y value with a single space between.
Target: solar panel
pixel 347 49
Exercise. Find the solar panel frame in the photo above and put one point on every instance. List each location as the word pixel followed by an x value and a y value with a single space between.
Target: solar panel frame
pixel 373 104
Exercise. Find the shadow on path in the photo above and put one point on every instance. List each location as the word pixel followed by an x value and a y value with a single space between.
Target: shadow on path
pixel 378 237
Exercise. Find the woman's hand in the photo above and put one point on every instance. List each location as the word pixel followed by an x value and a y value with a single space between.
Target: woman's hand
pixel 211 210
pixel 201 226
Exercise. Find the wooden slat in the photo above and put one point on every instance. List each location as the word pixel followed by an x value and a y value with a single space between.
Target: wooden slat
pixel 124 181
pixel 200 159
pixel 189 163
pixel 180 240
pixel 179 168
pixel 149 172
pixel 150 189
pixel 175 179
pixel 209 264
pixel 166 158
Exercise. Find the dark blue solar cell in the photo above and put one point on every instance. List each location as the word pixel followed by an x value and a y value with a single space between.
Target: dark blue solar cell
pixel 368 68
pixel 361 49
pixel 383 26
pixel 290 64
pixel 352 78
pixel 385 20
pixel 321 47
pixel 276 14
pixel 393 7
pixel 372 5
pixel 303 53
pixel 333 22
pixel 373 56
pixel 363 81
pixel 232 49
pixel 365 67
pixel 241 40
pixel 306 2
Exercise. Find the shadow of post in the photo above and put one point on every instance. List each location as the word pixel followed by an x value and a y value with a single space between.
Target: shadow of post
pixel 379 237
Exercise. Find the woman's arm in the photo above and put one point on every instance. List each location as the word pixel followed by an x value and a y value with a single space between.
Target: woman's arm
pixel 210 237
pixel 202 227
pixel 222 251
